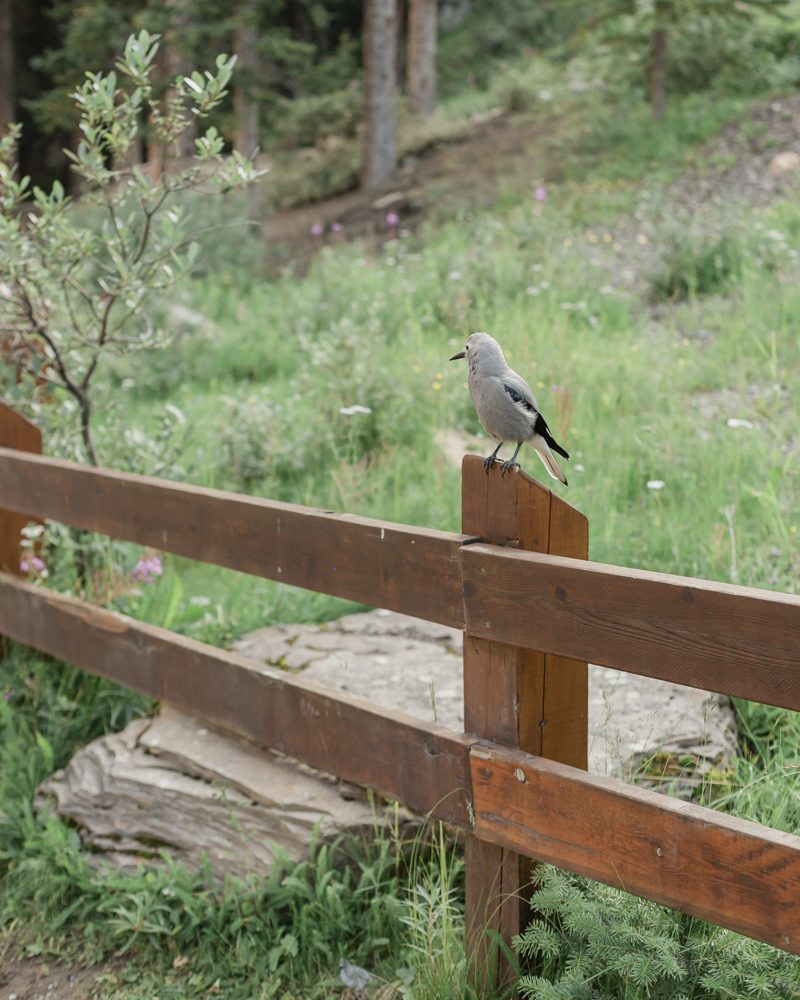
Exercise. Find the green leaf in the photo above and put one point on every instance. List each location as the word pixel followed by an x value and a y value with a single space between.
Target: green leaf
pixel 47 752
pixel 175 596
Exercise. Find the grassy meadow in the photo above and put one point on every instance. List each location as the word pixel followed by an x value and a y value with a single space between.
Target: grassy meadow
pixel 664 356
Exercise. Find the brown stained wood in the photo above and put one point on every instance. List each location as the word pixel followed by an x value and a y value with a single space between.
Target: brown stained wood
pixel 564 722
pixel 716 867
pixel 714 636
pixel 513 696
pixel 20 434
pixel 725 870
pixel 483 899
pixel 422 765
pixel 412 570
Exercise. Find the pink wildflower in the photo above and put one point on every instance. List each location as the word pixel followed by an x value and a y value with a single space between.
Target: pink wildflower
pixel 147 568
pixel 539 193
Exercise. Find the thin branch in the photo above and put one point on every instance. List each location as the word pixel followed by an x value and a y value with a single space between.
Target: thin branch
pixel 101 341
pixel 43 333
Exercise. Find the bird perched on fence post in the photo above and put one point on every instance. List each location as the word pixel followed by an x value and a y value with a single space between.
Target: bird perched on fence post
pixel 506 406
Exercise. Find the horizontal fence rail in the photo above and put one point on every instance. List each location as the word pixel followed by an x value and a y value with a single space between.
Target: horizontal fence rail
pixel 735 873
pixel 408 569
pixel 734 640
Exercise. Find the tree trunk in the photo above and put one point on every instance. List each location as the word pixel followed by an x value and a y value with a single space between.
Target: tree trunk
pixel 7 90
pixel 421 82
pixel 380 142
pixel 400 49
pixel 247 136
pixel 658 81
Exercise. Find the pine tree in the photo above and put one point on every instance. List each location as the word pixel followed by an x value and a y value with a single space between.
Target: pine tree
pixel 662 19
pixel 592 942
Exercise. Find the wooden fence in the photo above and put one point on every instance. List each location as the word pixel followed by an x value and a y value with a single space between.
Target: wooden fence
pixel 533 610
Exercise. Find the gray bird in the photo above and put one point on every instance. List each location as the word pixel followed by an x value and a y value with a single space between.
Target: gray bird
pixel 506 406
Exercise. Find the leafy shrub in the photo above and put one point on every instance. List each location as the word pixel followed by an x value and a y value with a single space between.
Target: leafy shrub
pixel 312 174
pixel 697 263
pixel 265 440
pixel 596 943
pixel 307 120
pixel 516 96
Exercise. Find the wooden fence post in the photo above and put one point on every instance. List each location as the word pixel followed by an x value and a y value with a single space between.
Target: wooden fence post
pixel 15 432
pixel 520 698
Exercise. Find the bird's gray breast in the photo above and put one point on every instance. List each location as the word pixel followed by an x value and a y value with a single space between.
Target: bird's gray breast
pixel 501 417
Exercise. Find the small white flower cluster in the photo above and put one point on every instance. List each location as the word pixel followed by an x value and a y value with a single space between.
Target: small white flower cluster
pixel 348 411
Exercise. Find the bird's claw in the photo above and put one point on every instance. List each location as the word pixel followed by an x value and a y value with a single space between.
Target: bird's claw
pixel 510 464
pixel 488 463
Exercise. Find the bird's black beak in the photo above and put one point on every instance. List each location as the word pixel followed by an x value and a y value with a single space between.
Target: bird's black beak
pixel 461 354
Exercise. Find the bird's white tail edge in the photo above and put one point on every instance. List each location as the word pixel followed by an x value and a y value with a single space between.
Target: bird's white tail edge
pixel 543 451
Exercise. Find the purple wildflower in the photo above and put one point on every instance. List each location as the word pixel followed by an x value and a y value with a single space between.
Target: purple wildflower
pixel 559 388
pixel 147 568
pixel 6 697
pixel 24 566
pixel 336 227
pixel 539 193
pixel 392 220
pixel 316 230
pixel 38 564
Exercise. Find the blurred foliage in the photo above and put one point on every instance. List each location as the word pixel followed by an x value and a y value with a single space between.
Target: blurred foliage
pixel 306 76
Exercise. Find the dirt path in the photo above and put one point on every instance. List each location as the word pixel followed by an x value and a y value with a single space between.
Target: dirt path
pixel 499 153
pixel 39 979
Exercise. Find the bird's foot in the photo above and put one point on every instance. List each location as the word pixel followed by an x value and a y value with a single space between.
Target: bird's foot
pixel 488 463
pixel 510 464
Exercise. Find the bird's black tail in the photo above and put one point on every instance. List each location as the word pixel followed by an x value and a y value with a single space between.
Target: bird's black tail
pixel 541 428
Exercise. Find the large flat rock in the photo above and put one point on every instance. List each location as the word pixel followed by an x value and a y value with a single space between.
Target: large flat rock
pixel 174 782
pixel 414 666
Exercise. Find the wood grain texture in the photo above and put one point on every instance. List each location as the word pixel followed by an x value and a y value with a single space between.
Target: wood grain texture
pixel 715 636
pixel 483 904
pixel 422 765
pixel 725 870
pixel 412 570
pixel 514 696
pixel 20 434
pixel 564 720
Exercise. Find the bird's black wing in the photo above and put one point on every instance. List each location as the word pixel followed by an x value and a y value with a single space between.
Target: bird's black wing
pixel 540 424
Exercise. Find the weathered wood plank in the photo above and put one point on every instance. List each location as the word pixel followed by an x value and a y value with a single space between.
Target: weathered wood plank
pixel 564 718
pixel 719 637
pixel 724 870
pixel 514 696
pixel 731 872
pixel 412 570
pixel 20 434
pixel 422 765
pixel 715 636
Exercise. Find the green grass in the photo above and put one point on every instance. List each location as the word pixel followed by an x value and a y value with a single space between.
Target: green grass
pixel 649 386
